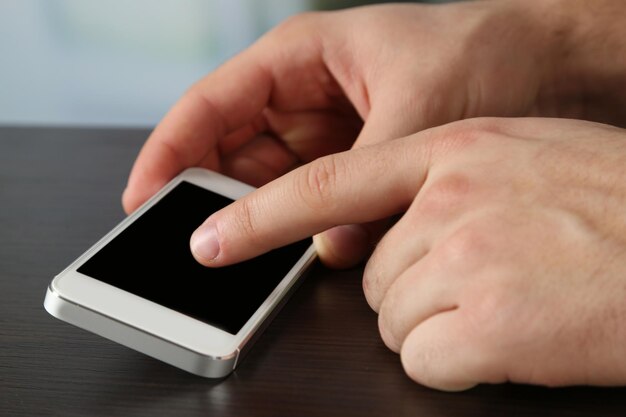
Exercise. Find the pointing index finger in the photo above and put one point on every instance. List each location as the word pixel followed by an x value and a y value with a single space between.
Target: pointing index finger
pixel 356 186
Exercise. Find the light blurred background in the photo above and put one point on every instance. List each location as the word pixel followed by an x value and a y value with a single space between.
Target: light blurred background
pixel 121 62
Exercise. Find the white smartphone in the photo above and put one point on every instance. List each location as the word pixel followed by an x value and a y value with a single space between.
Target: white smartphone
pixel 141 287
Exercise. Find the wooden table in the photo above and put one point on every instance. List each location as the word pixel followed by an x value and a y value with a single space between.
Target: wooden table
pixel 60 191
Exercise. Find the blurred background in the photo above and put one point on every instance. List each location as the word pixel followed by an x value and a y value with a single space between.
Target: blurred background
pixel 118 62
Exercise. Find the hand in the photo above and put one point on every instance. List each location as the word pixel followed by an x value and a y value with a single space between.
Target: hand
pixel 508 264
pixel 305 89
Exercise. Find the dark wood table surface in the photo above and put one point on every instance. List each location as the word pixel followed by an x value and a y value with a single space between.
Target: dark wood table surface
pixel 60 192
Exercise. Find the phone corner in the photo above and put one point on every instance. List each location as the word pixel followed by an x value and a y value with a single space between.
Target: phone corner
pixel 216 367
pixel 53 303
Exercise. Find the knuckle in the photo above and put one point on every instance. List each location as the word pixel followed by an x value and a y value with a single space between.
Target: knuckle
pixel 385 328
pixel 458 136
pixel 488 309
pixel 245 218
pixel 466 247
pixel 446 194
pixel 372 283
pixel 497 335
pixel 483 125
pixel 393 322
pixel 317 189
pixel 495 311
pixel 299 24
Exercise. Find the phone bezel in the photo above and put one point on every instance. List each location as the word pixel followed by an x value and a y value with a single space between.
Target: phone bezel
pixel 153 319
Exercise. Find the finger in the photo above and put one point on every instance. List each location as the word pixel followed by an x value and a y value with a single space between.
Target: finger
pixel 406 243
pixel 316 133
pixel 388 119
pixel 424 289
pixel 442 353
pixel 224 101
pixel 260 161
pixel 295 138
pixel 347 245
pixel 441 206
pixel 240 137
pixel 283 70
pixel 343 188
pixel 397 112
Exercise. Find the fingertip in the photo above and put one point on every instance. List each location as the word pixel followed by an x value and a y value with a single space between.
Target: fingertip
pixel 127 203
pixel 434 354
pixel 387 337
pixel 132 200
pixel 204 244
pixel 139 190
pixel 343 246
pixel 423 374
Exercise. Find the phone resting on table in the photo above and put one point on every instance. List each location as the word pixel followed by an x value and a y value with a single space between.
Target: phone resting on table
pixel 141 287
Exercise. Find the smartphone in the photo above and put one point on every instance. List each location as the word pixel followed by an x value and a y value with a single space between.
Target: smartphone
pixel 141 287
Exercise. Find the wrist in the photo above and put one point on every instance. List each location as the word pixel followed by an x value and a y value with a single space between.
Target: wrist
pixel 588 68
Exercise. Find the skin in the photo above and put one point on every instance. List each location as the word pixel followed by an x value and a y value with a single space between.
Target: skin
pixel 508 264
pixel 323 83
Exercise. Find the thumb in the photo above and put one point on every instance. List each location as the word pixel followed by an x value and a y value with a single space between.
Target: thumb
pixel 347 245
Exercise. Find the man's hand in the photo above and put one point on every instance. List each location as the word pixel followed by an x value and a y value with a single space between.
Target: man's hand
pixel 320 81
pixel 508 264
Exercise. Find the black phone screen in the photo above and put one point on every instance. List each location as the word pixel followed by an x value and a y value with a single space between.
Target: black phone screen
pixel 151 259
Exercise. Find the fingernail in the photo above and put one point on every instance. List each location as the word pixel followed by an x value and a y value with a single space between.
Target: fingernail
pixel 204 243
